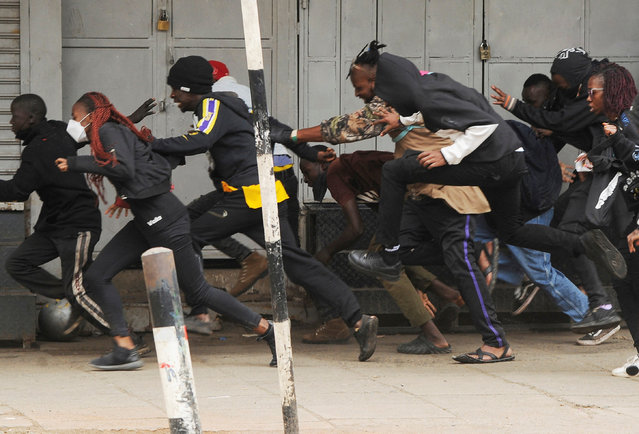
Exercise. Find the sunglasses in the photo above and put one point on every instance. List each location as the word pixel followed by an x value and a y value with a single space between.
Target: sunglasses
pixel 591 91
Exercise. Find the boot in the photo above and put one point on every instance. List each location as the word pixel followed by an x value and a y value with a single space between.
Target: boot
pixel 254 267
pixel 334 331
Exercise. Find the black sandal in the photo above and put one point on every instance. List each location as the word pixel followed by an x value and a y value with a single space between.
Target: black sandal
pixel 469 359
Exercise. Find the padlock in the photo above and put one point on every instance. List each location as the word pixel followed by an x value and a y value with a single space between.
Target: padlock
pixel 484 51
pixel 163 21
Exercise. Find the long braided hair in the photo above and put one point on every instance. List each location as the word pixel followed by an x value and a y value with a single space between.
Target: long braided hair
pixel 103 111
pixel 619 88
pixel 367 57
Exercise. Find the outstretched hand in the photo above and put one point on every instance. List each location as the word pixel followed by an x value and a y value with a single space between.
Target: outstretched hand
pixel 63 164
pixel 280 132
pixel 389 117
pixel 431 159
pixel 501 98
pixel 146 109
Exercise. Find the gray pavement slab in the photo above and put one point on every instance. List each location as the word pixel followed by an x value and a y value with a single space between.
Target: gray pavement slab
pixel 553 386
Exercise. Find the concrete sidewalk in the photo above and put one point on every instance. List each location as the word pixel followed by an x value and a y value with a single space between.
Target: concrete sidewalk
pixel 552 386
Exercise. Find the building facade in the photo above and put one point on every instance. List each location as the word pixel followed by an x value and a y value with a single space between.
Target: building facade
pixel 60 49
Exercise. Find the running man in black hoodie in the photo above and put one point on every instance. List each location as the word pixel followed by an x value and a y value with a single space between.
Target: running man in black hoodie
pixel 485 152
pixel 69 223
pixel 225 130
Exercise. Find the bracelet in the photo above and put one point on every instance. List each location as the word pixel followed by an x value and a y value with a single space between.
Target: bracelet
pixel 294 136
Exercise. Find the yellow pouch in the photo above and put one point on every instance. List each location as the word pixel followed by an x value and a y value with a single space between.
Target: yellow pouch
pixel 253 196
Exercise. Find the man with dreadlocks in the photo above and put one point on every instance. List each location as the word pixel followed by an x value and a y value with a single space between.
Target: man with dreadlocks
pixel 611 90
pixel 224 129
pixel 142 178
pixel 437 223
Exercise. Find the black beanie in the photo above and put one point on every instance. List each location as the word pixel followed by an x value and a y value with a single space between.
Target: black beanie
pixel 191 74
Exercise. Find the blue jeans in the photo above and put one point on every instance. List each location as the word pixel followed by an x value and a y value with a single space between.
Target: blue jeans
pixel 536 265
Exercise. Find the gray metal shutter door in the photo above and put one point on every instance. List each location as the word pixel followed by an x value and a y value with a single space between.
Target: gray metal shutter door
pixel 9 84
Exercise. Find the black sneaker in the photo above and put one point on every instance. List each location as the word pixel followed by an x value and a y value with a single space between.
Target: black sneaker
pixel 372 264
pixel 599 249
pixel 596 319
pixel 598 337
pixel 524 295
pixel 269 337
pixel 120 359
pixel 366 337
pixel 140 346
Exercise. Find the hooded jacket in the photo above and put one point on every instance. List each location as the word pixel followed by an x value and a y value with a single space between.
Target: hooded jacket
pixel 138 174
pixel 68 205
pixel 568 114
pixel 449 109
pixel 224 129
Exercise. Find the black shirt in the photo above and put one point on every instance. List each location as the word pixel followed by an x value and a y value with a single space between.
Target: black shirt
pixel 68 205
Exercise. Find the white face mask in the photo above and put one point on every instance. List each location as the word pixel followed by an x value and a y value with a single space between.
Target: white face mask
pixel 77 131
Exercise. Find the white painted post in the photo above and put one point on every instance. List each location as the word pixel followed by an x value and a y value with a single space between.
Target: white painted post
pixel 273 242
pixel 171 341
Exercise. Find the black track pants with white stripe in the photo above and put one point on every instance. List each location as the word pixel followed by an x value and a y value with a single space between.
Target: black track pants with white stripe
pixel 75 253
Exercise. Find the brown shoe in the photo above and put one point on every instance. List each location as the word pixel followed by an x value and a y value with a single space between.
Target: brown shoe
pixel 334 331
pixel 254 267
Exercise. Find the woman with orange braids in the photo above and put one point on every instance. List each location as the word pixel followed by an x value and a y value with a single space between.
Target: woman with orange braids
pixel 611 90
pixel 142 178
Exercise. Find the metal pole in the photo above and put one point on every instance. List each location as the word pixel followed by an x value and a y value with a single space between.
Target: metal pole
pixel 273 242
pixel 171 341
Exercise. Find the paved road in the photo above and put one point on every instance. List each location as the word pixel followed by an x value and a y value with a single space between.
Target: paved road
pixel 552 386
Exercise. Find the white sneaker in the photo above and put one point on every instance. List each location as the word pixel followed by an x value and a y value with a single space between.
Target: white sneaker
pixel 629 369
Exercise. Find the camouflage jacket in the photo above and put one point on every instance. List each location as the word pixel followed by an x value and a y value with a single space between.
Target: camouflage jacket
pixel 359 126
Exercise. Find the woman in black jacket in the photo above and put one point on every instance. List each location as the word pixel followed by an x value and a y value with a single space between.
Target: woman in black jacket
pixel 142 178
pixel 611 90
